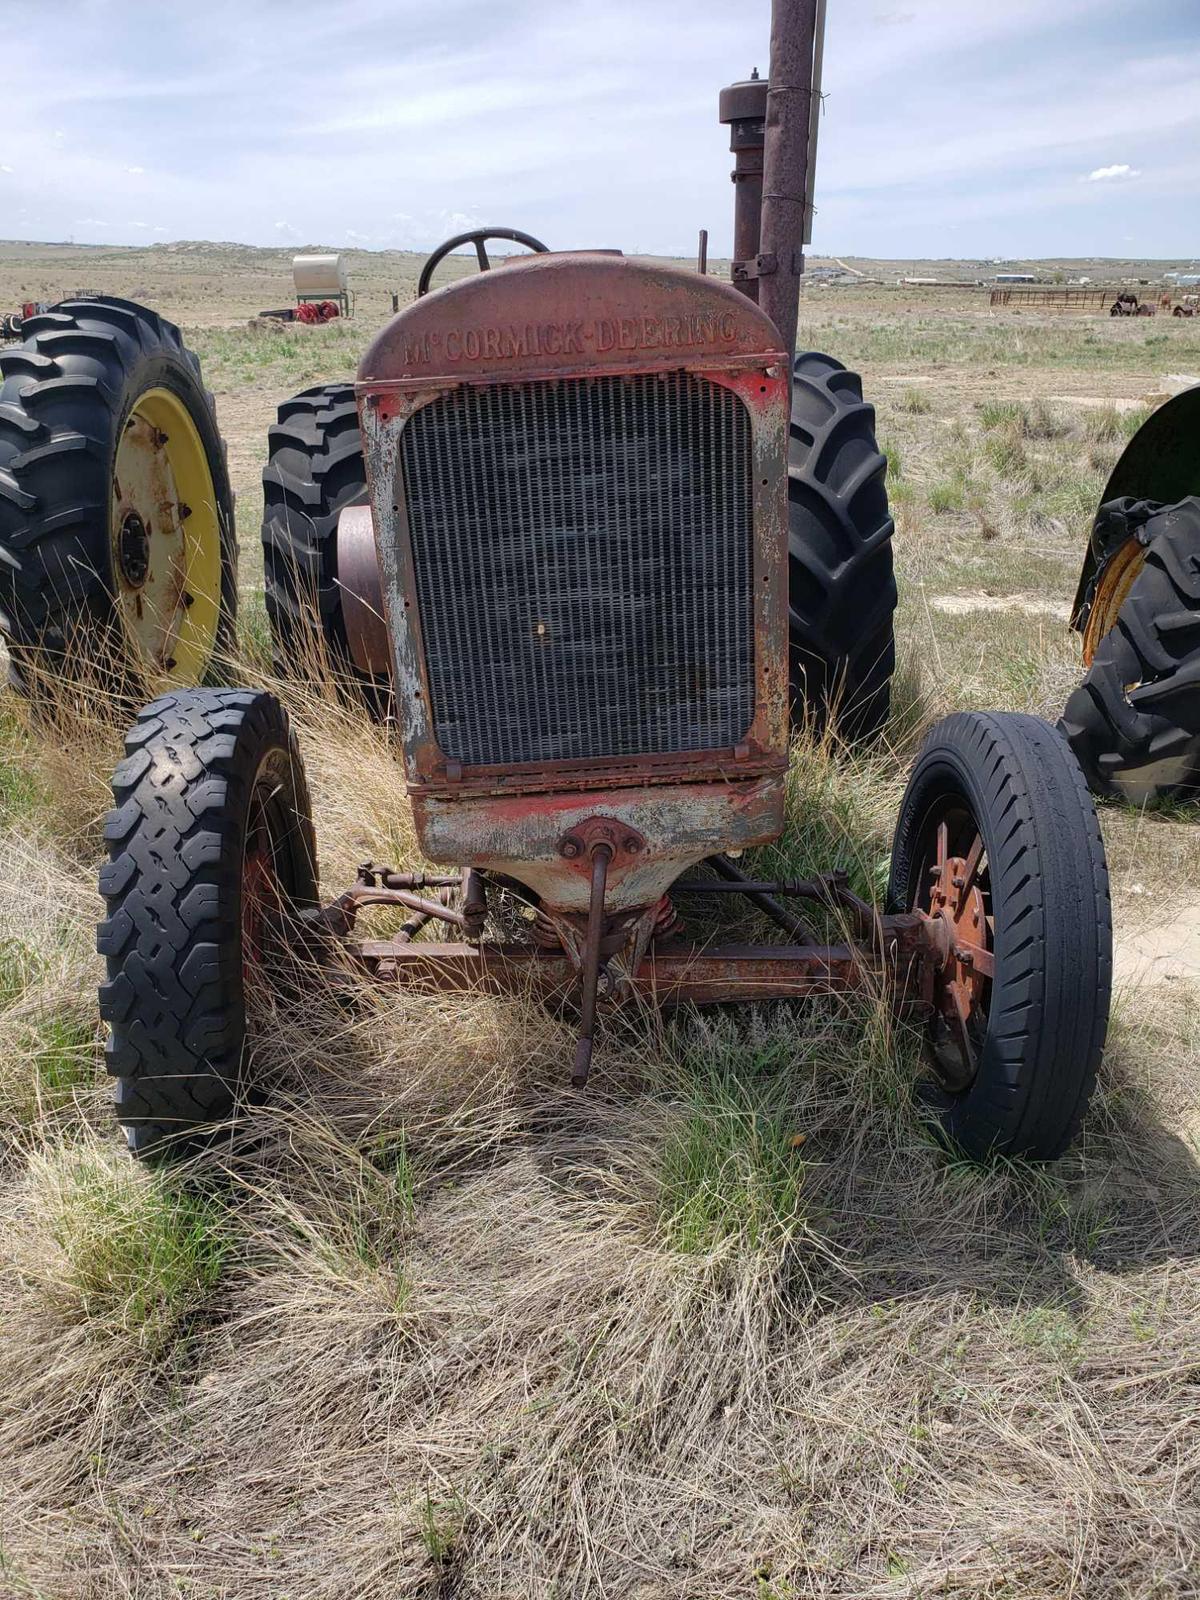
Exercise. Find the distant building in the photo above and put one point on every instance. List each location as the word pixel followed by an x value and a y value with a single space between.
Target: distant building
pixel 1183 279
pixel 1016 277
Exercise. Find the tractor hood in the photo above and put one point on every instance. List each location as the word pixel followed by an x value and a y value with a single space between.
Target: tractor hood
pixel 577 313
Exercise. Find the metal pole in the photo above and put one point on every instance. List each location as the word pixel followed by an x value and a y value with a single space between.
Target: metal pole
pixel 814 120
pixel 785 163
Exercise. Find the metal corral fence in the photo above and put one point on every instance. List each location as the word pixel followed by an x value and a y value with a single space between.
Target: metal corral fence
pixel 1042 299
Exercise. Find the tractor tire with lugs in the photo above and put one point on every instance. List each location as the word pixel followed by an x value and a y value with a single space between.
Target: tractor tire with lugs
pixel 842 589
pixel 118 553
pixel 1134 721
pixel 1015 1080
pixel 211 855
pixel 315 469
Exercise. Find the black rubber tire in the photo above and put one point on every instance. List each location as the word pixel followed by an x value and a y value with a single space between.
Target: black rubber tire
pixel 65 393
pixel 1047 1013
pixel 174 998
pixel 1133 737
pixel 842 589
pixel 315 468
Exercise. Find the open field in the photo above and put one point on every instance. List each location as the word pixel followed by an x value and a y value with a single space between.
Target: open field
pixel 728 1325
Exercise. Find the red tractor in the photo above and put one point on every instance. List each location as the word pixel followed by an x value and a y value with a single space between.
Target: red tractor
pixel 615 541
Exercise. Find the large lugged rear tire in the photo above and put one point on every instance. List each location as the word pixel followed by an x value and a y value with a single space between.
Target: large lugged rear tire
pixel 117 544
pixel 842 590
pixel 315 469
pixel 211 852
pixel 1134 721
pixel 1014 1079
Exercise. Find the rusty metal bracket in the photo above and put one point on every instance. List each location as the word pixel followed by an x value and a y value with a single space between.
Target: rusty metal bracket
pixel 760 266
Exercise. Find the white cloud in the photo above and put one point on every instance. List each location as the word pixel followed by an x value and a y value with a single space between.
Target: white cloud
pixel 1122 170
pixel 4 168
pixel 135 169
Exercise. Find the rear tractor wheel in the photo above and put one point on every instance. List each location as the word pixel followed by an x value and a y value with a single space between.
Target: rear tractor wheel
pixel 118 558
pixel 315 471
pixel 997 842
pixel 212 859
pixel 1134 721
pixel 841 586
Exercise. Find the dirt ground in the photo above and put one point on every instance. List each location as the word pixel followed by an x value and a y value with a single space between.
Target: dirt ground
pixel 434 1330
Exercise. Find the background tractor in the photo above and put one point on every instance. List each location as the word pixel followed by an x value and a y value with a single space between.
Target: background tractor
pixel 1134 721
pixel 596 534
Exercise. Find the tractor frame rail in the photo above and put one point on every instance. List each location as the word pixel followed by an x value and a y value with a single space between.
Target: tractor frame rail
pixel 622 959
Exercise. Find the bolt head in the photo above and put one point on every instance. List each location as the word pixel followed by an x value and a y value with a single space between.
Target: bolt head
pixel 569 848
pixel 632 844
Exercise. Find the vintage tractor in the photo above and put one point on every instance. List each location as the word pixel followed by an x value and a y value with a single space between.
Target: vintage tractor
pixel 1134 721
pixel 1127 304
pixel 579 502
pixel 118 559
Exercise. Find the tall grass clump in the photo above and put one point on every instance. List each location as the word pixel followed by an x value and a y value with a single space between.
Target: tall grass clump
pixel 732 1172
pixel 134 1256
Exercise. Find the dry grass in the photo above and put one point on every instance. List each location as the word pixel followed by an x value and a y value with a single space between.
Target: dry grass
pixel 730 1324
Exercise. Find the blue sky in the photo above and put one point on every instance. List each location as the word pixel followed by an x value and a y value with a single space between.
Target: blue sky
pixel 950 127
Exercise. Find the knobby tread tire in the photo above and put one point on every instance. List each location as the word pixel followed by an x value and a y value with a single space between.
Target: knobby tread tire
pixel 315 469
pixel 65 394
pixel 174 996
pixel 842 588
pixel 1048 1011
pixel 1127 750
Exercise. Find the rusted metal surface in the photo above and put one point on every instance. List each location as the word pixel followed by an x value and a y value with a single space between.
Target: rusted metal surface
pixel 957 932
pixel 601 853
pixel 743 106
pixel 520 835
pixel 362 592
pixel 673 975
pixel 560 315
pixel 786 162
pixel 474 904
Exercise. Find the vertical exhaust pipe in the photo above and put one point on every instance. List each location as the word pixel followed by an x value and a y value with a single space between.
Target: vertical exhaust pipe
pixel 785 163
pixel 772 133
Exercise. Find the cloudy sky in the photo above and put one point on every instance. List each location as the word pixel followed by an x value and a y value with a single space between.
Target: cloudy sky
pixel 950 128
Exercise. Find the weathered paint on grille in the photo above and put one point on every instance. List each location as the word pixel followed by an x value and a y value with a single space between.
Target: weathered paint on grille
pixel 583 552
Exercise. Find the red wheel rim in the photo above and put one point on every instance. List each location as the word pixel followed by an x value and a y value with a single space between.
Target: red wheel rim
pixel 953 892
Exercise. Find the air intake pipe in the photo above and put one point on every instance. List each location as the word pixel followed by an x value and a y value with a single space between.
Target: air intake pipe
pixel 772 135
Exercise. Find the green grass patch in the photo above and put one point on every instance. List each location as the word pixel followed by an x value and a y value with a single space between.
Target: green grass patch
pixel 22 792
pixel 140 1256
pixel 947 496
pixel 731 1172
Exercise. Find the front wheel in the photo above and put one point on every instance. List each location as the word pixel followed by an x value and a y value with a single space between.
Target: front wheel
pixel 211 858
pixel 998 845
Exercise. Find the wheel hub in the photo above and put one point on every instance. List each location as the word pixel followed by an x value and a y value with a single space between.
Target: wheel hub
pixel 960 941
pixel 133 550
pixel 165 540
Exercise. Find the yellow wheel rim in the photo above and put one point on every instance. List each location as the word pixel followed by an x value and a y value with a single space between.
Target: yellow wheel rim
pixel 165 541
pixel 1112 590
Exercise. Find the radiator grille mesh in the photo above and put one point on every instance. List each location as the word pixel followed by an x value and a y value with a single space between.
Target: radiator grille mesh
pixel 583 554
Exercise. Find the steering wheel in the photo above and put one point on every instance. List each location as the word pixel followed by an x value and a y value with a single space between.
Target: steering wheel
pixel 476 236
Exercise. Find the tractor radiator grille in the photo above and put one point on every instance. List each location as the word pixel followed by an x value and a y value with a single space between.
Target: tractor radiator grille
pixel 583 555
